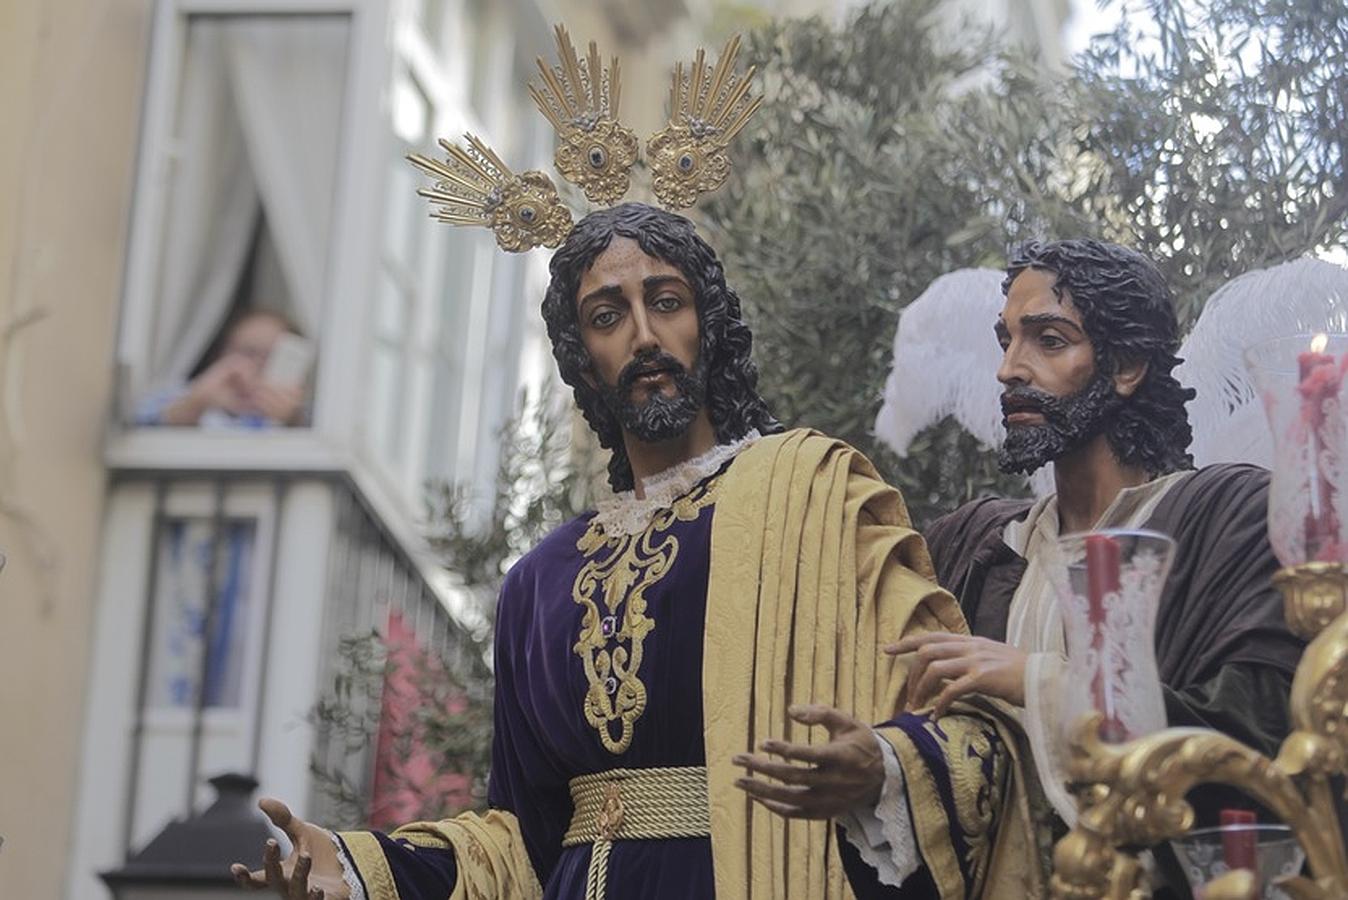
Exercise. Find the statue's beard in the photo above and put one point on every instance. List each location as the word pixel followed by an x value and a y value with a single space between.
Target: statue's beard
pixel 1069 422
pixel 658 417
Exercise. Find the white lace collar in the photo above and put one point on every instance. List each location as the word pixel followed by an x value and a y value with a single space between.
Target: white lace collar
pixel 624 514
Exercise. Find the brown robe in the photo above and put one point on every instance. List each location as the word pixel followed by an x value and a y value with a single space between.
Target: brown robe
pixel 1225 654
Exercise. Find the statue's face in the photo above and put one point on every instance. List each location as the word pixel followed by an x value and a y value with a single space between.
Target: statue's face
pixel 1053 400
pixel 638 321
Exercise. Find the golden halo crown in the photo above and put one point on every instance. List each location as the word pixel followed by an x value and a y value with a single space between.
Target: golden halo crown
pixel 709 106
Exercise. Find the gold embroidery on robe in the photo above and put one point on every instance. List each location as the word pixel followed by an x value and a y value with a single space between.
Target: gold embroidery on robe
pixel 621 570
pixel 976 762
pixel 488 852
pixel 368 858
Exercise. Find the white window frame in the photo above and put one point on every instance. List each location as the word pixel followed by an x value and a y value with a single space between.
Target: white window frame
pixel 242 501
pixel 383 34
pixel 355 229
pixel 443 66
pixel 442 75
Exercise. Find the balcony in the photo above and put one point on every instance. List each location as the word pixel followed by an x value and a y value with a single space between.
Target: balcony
pixel 233 568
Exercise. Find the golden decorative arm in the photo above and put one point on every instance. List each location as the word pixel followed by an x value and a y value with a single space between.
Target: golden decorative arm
pixel 1132 796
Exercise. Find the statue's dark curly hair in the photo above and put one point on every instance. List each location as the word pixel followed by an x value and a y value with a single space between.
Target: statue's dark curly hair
pixel 1129 314
pixel 733 403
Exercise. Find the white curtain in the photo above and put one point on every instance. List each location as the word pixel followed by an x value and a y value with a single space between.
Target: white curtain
pixel 211 214
pixel 287 76
pixel 258 126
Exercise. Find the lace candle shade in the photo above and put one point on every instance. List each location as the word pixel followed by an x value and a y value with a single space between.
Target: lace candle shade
pixel 1300 379
pixel 1273 855
pixel 1109 588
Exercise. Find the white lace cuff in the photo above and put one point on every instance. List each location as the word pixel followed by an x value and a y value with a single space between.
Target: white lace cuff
pixel 1043 725
pixel 884 836
pixel 349 875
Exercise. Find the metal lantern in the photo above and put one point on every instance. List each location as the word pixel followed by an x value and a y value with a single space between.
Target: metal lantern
pixel 190 859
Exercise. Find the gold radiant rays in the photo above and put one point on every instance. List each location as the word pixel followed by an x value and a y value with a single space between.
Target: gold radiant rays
pixel 707 110
pixel 580 99
pixel 709 106
pixel 474 187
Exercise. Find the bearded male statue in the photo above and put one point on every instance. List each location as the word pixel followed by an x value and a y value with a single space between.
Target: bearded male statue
pixel 735 594
pixel 1088 335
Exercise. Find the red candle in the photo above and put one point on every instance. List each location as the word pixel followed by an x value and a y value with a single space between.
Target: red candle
pixel 1310 360
pixel 1102 579
pixel 1239 840
pixel 1102 572
pixel 1320 377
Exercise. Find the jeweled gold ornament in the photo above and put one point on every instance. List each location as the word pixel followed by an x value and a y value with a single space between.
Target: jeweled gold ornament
pixel 707 109
pixel 474 187
pixel 580 99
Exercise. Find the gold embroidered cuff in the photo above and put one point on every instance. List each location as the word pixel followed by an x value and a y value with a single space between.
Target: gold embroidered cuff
pixel 368 857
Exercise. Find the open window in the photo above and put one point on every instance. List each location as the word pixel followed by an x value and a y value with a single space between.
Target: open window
pixel 236 207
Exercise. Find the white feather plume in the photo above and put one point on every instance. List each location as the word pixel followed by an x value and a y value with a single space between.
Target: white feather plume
pixel 1304 295
pixel 945 361
pixel 945 364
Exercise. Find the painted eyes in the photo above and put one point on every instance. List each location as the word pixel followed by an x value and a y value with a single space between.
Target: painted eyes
pixel 606 318
pixel 1047 341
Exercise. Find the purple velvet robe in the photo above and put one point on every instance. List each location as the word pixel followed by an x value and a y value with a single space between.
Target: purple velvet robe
pixel 542 739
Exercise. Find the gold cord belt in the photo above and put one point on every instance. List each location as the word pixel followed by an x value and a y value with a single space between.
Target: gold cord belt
pixel 634 805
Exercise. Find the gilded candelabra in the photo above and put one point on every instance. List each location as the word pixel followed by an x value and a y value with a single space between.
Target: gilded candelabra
pixel 1132 795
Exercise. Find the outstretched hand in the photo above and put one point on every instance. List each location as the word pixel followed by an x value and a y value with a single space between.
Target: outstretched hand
pixel 312 871
pixel 949 666
pixel 820 781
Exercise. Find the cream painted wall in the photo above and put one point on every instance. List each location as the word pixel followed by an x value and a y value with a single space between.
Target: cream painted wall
pixel 70 87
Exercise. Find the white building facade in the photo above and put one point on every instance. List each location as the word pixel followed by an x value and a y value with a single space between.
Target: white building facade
pixel 271 173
